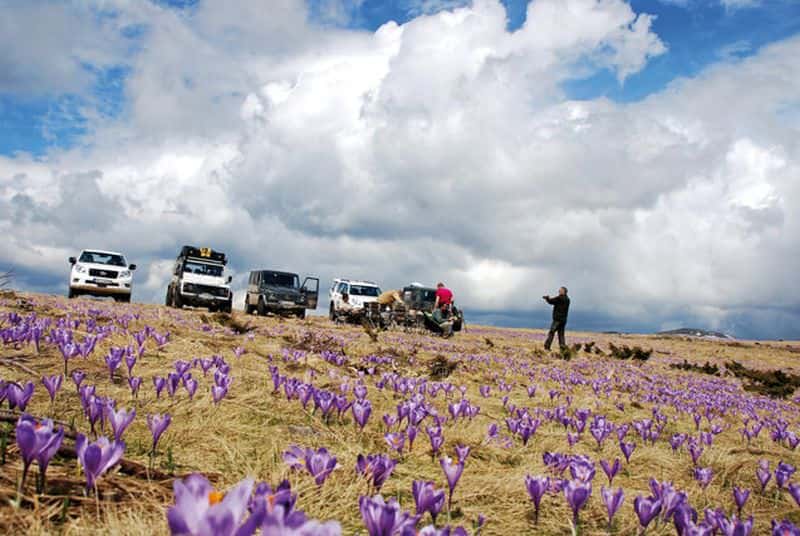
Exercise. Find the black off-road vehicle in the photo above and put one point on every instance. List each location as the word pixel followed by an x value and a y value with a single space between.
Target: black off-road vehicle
pixel 271 291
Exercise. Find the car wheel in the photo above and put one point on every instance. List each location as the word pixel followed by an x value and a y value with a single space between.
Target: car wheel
pixel 301 315
pixel 176 300
pixel 125 299
pixel 72 294
pixel 227 308
pixel 167 300
pixel 332 313
pixel 262 307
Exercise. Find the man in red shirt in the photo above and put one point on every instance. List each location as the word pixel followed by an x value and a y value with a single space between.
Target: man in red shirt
pixel 444 296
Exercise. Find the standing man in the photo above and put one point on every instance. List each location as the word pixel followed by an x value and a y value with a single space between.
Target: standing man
pixel 560 305
pixel 444 296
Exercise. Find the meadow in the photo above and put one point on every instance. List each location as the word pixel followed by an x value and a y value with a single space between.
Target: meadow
pixel 383 433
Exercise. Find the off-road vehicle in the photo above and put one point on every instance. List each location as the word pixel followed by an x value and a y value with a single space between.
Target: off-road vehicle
pixel 419 303
pixel 101 273
pixel 198 280
pixel 271 291
pixel 359 293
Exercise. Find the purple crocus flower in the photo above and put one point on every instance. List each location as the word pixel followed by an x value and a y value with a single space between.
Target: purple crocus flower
pixel 159 383
pixel 735 526
pixel 52 384
pixel 78 377
pixel 295 457
pixel 120 420
pixel 158 424
pixel 361 409
pixel 191 386
pixel 577 494
pixel 18 396
pixel 763 473
pixel 427 498
pixel 740 497
pixel 537 487
pixel 98 457
pixel 627 449
pixel 113 361
pixel 280 521
pixel 376 467
pixel 37 441
pixel 396 440
pixel 794 490
pixel 452 471
pixel 646 509
pixel 581 468
pixel 411 432
pixel 784 528
pixel 613 500
pixel 320 464
pixel 703 475
pixel 385 518
pixel 783 472
pixel 610 470
pixel 218 393
pixel 462 451
pixel 134 383
pixel 201 510
pixel 130 361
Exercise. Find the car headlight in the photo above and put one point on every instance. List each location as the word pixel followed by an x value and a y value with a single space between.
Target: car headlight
pixel 81 269
pixel 125 274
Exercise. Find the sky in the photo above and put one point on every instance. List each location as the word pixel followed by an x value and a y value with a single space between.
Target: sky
pixel 645 154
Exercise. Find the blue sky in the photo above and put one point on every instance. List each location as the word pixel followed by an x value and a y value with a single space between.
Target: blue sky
pixel 295 138
pixel 696 32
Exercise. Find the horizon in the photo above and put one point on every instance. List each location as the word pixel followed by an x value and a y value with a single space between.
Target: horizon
pixel 644 154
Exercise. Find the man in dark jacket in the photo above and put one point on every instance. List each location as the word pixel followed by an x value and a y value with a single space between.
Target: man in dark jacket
pixel 560 305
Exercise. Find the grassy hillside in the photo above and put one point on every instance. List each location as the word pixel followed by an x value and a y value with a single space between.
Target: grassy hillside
pixel 249 429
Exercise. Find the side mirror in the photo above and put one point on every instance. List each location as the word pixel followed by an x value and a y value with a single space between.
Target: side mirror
pixel 73 260
pixel 132 267
pixel 230 278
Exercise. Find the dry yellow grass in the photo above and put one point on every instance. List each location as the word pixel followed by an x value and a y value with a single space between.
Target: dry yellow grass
pixel 247 433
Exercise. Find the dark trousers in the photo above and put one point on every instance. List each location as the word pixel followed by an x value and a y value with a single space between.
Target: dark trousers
pixel 557 326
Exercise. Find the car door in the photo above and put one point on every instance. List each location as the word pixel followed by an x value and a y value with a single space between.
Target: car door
pixel 310 289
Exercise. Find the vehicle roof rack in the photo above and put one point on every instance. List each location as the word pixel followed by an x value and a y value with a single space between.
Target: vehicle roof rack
pixel 203 253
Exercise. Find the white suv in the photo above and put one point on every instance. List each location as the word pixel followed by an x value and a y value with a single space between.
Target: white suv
pixel 101 273
pixel 359 294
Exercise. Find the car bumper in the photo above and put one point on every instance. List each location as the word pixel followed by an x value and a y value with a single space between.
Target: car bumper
pixel 285 306
pixel 115 288
pixel 202 300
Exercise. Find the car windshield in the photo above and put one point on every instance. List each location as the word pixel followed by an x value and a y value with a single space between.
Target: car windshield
pixel 95 257
pixel 364 290
pixel 275 279
pixel 202 268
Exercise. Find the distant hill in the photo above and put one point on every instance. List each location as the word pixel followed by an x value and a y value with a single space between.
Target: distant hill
pixel 695 332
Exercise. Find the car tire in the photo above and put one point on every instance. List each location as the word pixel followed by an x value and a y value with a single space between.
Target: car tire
pixel 332 313
pixel 72 294
pixel 176 300
pixel 227 308
pixel 248 309
pixel 168 300
pixel 301 315
pixel 125 299
pixel 261 308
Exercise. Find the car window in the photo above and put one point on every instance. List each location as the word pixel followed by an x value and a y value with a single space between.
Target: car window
pixel 214 270
pixel 280 280
pixel 364 290
pixel 96 257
